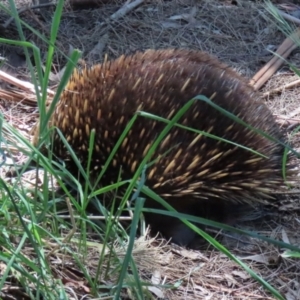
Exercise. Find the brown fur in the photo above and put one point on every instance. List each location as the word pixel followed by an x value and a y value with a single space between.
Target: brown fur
pixel 203 176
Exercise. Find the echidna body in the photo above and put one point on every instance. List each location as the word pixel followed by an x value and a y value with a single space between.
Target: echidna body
pixel 194 173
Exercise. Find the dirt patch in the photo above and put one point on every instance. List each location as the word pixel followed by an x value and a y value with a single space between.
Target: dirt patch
pixel 238 35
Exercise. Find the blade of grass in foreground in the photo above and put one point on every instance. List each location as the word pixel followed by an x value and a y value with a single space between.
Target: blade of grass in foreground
pixel 185 219
pixel 139 203
pixel 220 247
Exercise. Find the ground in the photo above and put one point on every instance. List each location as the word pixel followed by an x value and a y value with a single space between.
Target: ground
pixel 240 33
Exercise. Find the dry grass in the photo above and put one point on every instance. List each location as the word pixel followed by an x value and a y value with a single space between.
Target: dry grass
pixel 239 36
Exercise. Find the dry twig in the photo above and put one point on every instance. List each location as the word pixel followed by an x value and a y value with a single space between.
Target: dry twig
pixel 282 88
pixel 285 49
pixel 26 93
pixel 24 85
pixel 288 17
pixel 284 120
pixel 125 9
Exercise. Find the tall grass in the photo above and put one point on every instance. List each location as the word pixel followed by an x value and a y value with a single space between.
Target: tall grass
pixel 32 230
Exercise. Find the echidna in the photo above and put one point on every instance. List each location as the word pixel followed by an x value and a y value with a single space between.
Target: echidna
pixel 195 174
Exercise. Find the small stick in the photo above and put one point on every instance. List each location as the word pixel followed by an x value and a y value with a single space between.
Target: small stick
pixel 294 113
pixel 18 96
pixel 285 121
pixel 24 85
pixel 125 9
pixel 288 17
pixel 281 89
pixel 26 94
pixel 262 76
